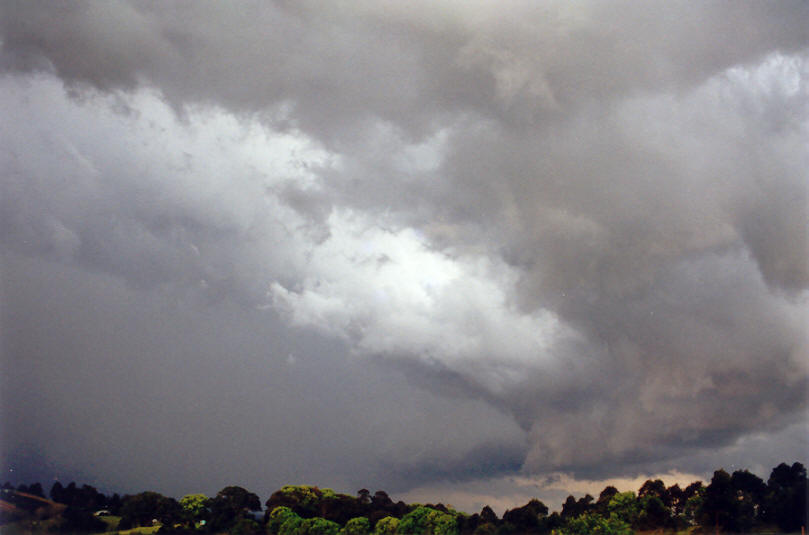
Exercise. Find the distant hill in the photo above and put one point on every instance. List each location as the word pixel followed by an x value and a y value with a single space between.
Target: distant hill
pixel 16 505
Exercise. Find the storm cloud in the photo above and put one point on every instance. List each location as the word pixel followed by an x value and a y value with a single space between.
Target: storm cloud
pixel 422 243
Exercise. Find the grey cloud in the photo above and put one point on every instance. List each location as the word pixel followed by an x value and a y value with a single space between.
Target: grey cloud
pixel 340 66
pixel 634 175
pixel 132 389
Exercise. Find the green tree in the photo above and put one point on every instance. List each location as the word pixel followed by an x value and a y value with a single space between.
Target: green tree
pixel 305 500
pixel 654 501
pixel 195 507
pixel 291 526
pixel 592 524
pixel 245 526
pixel 653 514
pixel 317 526
pixel 278 517
pixel 604 500
pixel 357 526
pixel 387 526
pixel 624 507
pixel 692 502
pixel 428 521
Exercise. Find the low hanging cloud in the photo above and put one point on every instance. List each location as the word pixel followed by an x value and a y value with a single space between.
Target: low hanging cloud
pixel 592 218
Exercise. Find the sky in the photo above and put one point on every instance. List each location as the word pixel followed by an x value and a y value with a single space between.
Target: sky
pixel 461 251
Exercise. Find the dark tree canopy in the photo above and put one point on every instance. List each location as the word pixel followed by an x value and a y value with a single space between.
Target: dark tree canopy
pixel 231 504
pixel 738 502
pixel 786 498
pixel 604 498
pixel 143 508
pixel 657 489
pixel 720 506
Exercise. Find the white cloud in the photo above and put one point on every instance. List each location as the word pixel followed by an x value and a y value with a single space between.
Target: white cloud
pixel 391 294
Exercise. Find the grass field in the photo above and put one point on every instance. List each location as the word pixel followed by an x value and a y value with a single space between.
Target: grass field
pixel 112 525
pixel 22 528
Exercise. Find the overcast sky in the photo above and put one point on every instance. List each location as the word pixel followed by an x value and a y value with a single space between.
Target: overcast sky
pixel 462 251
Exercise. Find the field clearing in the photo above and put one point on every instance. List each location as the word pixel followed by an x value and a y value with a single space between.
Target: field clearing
pixel 144 530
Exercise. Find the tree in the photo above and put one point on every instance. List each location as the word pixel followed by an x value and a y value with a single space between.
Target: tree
pixel 278 517
pixel 426 520
pixel 653 514
pixel 318 526
pixel 387 526
pixel 749 484
pixel 357 526
pixel 195 507
pixel 56 492
pixel 677 499
pixel 573 508
pixel 114 504
pixel 485 528
pixel 245 526
pixel 592 524
pixel 624 507
pixel 292 526
pixel 719 505
pixel 230 504
pixel 36 490
pixel 142 508
pixel 785 502
pixel 381 500
pixel 604 499
pixel 341 508
pixel 76 520
pixel 528 518
pixel 305 500
pixel 692 502
pixel 487 515
pixel 364 496
pixel 750 492
pixel 655 488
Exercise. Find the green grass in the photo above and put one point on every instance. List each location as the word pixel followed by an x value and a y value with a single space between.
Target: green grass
pixel 112 527
pixel 110 521
pixel 143 530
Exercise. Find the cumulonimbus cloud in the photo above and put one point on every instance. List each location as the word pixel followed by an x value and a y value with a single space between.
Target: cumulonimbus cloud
pixel 595 216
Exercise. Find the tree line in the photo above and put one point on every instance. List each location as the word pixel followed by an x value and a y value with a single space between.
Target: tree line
pixel 738 502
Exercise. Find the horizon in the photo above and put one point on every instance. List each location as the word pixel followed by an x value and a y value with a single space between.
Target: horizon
pixel 591 489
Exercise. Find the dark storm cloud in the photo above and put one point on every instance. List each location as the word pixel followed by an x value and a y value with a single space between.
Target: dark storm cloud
pixel 587 221
pixel 136 315
pixel 339 66
pixel 133 390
